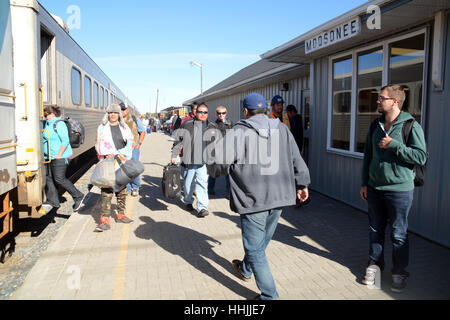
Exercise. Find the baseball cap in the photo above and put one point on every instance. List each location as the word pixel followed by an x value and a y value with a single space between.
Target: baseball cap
pixel 123 106
pixel 255 101
pixel 276 100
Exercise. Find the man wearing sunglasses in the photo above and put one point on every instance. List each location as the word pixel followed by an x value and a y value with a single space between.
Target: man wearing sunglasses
pixel 190 139
pixel 388 184
pixel 224 124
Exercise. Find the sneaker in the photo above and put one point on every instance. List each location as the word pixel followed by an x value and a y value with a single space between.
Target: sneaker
pixel 135 193
pixel 398 283
pixel 371 273
pixel 189 207
pixel 237 267
pixel 202 214
pixel 104 225
pixel 121 218
pixel 78 203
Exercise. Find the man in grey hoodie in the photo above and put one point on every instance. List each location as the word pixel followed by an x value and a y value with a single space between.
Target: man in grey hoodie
pixel 267 173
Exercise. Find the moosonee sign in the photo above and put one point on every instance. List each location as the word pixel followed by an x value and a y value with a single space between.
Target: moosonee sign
pixel 340 33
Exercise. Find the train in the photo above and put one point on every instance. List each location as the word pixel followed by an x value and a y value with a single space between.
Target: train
pixel 42 65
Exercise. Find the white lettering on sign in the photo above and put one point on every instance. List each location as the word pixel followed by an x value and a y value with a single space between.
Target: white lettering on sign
pixel 335 35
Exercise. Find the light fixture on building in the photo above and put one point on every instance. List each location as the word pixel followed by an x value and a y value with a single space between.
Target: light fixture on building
pixel 284 86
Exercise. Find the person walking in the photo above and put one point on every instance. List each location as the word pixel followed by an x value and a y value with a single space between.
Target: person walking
pixel 191 140
pixel 296 122
pixel 260 189
pixel 114 138
pixel 388 184
pixel 58 151
pixel 224 124
pixel 277 111
pixel 139 132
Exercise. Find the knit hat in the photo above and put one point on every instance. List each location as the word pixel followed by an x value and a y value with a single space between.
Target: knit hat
pixel 113 108
pixel 254 101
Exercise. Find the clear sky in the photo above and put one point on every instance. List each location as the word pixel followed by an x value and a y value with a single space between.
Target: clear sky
pixel 145 45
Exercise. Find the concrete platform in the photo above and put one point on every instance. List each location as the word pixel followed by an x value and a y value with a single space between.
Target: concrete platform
pixel 318 253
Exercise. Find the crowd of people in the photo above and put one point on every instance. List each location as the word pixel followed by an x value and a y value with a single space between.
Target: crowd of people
pixel 260 184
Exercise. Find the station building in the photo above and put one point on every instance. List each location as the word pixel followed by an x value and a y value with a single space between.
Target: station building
pixel 334 73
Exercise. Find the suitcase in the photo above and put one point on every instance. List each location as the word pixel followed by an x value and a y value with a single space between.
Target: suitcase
pixel 171 182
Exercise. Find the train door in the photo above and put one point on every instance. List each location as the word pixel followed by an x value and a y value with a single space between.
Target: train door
pixel 306 115
pixel 46 66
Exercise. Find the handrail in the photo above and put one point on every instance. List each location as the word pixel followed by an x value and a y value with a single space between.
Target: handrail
pixel 8 147
pixel 7 96
pixel 24 85
pixel 49 149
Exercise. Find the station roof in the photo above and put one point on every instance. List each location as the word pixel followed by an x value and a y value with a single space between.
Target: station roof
pixel 396 15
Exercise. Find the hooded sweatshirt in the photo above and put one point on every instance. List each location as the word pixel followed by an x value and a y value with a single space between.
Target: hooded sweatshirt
pixel 393 169
pixel 266 166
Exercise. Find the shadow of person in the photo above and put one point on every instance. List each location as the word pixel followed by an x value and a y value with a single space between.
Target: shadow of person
pixel 194 248
pixel 151 195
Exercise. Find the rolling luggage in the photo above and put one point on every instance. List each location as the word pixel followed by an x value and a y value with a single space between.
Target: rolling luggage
pixel 171 182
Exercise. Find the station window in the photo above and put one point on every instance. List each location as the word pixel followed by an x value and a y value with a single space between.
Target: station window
pixel 102 94
pixel 87 91
pixel 398 61
pixel 95 95
pixel 76 86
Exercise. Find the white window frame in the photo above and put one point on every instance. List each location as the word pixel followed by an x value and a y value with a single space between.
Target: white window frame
pixel 353 53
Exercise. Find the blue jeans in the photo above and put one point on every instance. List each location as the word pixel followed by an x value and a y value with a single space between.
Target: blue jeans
pixel 393 208
pixel 257 231
pixel 136 183
pixel 196 176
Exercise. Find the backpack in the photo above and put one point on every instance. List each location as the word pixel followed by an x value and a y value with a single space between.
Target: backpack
pixel 76 131
pixel 171 181
pixel 420 171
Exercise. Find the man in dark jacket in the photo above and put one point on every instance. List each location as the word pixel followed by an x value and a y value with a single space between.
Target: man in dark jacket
pixel 190 138
pixel 267 173
pixel 296 121
pixel 224 124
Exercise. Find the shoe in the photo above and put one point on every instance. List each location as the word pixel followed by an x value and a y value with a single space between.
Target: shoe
pixel 237 267
pixel 202 214
pixel 121 218
pixel 135 193
pixel 371 274
pixel 189 207
pixel 49 205
pixel 104 225
pixel 398 283
pixel 78 203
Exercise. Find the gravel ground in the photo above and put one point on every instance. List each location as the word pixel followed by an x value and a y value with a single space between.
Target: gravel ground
pixel 34 239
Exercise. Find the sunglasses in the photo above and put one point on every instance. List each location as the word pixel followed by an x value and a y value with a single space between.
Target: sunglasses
pixel 202 112
pixel 381 98
pixel 221 113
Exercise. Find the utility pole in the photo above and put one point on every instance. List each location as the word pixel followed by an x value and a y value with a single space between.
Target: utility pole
pixel 157 100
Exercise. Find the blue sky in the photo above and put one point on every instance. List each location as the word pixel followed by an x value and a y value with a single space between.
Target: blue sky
pixel 147 45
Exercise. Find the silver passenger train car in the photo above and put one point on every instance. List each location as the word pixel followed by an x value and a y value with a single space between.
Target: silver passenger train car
pixel 49 68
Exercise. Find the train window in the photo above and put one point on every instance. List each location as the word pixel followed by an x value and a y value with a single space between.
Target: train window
pixel 95 95
pixel 102 102
pixel 87 91
pixel 407 59
pixel 76 86
pixel 370 79
pixel 342 101
pixel 106 98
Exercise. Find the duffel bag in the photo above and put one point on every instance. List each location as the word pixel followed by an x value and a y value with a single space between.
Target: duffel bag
pixel 171 182
pixel 127 172
pixel 104 175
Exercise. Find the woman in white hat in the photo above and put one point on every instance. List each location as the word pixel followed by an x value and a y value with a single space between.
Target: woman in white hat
pixel 114 138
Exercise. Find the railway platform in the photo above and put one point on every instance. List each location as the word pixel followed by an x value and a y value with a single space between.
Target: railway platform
pixel 319 252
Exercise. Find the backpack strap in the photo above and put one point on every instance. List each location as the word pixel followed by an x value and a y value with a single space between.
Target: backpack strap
pixel 407 130
pixel 373 126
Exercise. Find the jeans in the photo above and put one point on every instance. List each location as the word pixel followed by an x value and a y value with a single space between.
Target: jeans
pixel 136 183
pixel 393 208
pixel 56 174
pixel 196 176
pixel 257 231
pixel 212 184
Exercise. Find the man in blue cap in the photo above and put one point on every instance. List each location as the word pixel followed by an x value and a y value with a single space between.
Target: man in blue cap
pixel 261 188
pixel 277 111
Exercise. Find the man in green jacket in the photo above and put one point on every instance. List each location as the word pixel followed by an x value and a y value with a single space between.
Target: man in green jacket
pixel 388 184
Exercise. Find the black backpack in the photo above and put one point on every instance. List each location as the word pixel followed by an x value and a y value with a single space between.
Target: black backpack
pixel 420 171
pixel 171 181
pixel 76 131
